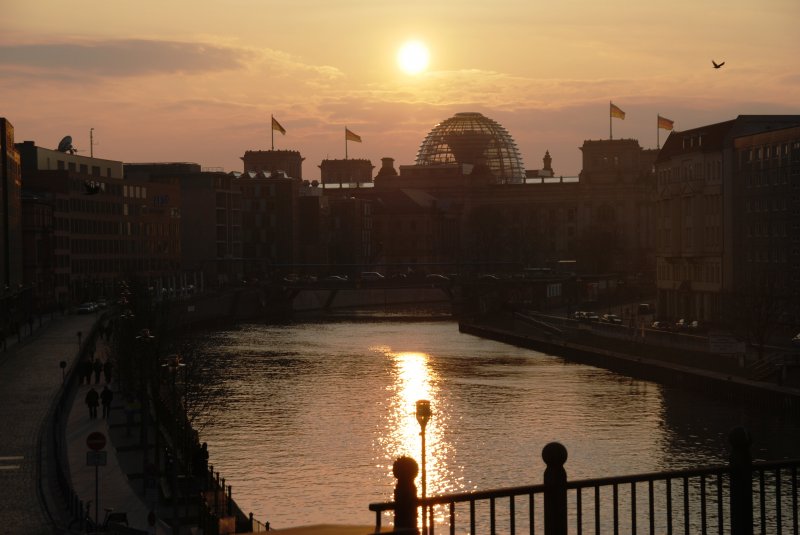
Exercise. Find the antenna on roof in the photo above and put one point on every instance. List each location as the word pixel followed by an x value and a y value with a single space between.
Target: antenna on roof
pixel 65 145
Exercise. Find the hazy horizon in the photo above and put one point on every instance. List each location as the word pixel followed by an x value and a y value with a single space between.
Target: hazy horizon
pixel 198 81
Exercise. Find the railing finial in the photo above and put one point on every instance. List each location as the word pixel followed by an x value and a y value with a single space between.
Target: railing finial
pixel 405 469
pixel 554 455
pixel 741 498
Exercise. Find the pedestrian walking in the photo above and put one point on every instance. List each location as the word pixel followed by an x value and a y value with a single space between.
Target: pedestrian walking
pixel 92 401
pixel 108 368
pixel 86 372
pixel 97 367
pixel 106 396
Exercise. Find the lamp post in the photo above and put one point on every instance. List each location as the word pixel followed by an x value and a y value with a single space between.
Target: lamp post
pixel 145 338
pixel 423 416
pixel 174 365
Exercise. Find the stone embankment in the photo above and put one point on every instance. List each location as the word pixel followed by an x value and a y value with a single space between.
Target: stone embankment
pixel 719 375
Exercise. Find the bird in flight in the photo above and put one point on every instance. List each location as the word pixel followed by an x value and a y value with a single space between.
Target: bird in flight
pixel 717 65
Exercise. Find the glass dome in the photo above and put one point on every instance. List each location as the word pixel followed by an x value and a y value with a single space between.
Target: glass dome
pixel 472 138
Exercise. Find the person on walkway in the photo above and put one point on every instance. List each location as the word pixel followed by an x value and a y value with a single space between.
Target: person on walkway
pixel 86 372
pixel 92 401
pixel 106 396
pixel 97 367
pixel 108 368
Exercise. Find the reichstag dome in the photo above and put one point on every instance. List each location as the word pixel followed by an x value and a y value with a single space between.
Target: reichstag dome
pixel 472 138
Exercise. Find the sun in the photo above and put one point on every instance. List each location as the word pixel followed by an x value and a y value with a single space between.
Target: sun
pixel 413 57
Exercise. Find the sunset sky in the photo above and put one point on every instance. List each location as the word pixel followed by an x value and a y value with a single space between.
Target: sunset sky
pixel 196 81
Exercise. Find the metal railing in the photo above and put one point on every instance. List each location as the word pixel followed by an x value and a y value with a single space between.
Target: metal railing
pixel 743 497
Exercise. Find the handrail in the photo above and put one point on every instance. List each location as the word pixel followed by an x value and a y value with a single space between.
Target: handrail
pixel 736 483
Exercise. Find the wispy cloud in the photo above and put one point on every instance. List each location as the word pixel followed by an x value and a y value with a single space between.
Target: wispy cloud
pixel 126 57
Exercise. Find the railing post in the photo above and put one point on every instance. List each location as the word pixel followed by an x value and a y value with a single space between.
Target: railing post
pixel 555 491
pixel 741 471
pixel 405 469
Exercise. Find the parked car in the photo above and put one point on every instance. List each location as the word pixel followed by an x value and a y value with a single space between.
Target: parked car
pixel 488 277
pixel 371 276
pixel 695 326
pixel 591 316
pixel 101 303
pixel 680 324
pixel 611 318
pixel 796 340
pixel 435 277
pixel 578 315
pixel 86 308
pixel 336 278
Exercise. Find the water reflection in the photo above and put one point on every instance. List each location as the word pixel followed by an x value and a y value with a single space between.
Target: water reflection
pixel 307 419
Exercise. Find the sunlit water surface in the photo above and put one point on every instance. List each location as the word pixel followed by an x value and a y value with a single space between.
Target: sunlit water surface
pixel 307 419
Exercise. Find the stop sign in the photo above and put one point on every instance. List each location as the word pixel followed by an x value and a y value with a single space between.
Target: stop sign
pixel 96 441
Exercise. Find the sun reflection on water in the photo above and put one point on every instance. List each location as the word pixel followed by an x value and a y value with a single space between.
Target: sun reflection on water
pixel 416 379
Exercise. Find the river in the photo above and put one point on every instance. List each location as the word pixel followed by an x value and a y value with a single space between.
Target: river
pixel 306 419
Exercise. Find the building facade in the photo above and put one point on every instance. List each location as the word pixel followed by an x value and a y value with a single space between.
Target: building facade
pixel 700 210
pixel 766 181
pixel 88 255
pixel 10 210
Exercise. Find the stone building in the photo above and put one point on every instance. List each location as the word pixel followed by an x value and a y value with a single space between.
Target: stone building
pixel 701 211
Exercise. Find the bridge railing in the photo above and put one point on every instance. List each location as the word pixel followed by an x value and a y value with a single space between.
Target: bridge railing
pixel 730 499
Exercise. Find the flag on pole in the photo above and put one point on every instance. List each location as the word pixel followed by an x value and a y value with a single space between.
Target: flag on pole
pixel 277 126
pixel 350 136
pixel 665 123
pixel 616 112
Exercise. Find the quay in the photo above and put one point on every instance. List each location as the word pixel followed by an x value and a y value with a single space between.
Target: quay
pixel 35 389
pixel 721 375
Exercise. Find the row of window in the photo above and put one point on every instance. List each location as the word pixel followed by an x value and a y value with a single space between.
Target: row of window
pixel 135 192
pixel 88 206
pixel 775 255
pixel 709 171
pixel 766 152
pixel 85 266
pixel 711 238
pixel 81 168
pixel 766 205
pixel 772 178
pixel 706 272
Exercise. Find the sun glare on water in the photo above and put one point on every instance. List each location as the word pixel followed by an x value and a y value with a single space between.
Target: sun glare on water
pixel 413 57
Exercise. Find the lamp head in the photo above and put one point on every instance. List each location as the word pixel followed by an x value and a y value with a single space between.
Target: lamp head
pixel 423 412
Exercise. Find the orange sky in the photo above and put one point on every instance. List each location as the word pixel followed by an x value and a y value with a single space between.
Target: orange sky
pixel 197 80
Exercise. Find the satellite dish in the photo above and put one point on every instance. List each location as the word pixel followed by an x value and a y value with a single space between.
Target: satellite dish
pixel 65 145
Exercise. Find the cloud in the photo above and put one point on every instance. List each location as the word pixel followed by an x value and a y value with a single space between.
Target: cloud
pixel 121 58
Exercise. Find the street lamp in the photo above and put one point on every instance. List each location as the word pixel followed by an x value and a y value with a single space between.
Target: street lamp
pixel 174 365
pixel 423 416
pixel 145 338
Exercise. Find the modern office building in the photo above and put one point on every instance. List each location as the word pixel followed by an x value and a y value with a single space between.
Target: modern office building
pixel 86 195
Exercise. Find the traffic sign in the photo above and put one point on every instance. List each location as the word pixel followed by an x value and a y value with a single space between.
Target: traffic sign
pixel 96 441
pixel 96 458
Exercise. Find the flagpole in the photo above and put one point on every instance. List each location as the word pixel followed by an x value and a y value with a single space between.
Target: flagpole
pixel 272 130
pixel 610 131
pixel 658 133
pixel 345 142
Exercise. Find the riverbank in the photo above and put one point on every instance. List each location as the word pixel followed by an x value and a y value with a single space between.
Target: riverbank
pixel 722 376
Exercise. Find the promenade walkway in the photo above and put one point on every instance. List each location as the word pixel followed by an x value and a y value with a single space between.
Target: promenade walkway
pixel 115 491
pixel 30 379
